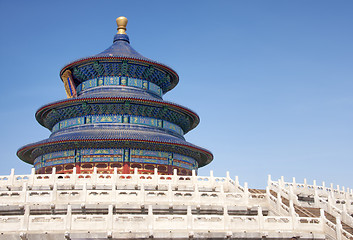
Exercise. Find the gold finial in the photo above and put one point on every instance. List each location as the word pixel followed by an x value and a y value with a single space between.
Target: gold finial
pixel 121 22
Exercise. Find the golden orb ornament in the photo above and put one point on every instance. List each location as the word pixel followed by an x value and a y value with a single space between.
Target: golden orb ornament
pixel 121 22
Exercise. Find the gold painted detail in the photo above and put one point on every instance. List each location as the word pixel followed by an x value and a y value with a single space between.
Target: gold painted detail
pixel 121 22
pixel 69 84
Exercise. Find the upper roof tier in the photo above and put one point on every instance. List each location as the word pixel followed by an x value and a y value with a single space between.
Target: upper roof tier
pixel 120 59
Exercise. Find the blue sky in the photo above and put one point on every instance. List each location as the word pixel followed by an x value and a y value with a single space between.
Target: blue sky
pixel 271 80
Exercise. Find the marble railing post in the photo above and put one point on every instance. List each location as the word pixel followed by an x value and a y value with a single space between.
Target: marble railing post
pixel 212 181
pixel 291 208
pixel 260 218
pixel 323 186
pixel 143 194
pixel 329 202
pixel 52 177
pixel 113 196
pixel 228 181
pixel 12 176
pixel 32 177
pixel 246 192
pixel 226 218
pixel 189 221
pixel 322 219
pixel 25 223
pixel 115 176
pixel 150 221
pixel 236 182
pixel 175 177
pixel 110 221
pixel 338 229
pixel 278 185
pixel 316 195
pixel 197 196
pixel 282 182
pixel 222 197
pixel 68 218
pixel 24 192
pixel 279 201
pixel 84 192
pixel 293 215
pixel 193 177
pixel 331 187
pixel 170 194
pixel 268 193
pixel 290 193
pixel 294 186
pixel 292 196
pixel 344 192
pixel 344 214
pixel 305 185
pixel 94 177
pixel 54 193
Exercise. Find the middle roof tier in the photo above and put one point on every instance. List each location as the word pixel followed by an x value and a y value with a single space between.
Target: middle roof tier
pixel 117 100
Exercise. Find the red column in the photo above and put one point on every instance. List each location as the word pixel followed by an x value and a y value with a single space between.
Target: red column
pixel 78 167
pixel 126 168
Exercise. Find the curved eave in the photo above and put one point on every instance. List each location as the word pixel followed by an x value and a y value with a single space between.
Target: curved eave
pixel 41 113
pixel 25 152
pixel 175 76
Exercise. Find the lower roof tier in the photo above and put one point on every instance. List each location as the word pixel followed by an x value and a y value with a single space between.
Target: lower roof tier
pixel 126 136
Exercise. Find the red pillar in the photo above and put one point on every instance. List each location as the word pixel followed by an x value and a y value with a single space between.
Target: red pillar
pixel 78 167
pixel 126 168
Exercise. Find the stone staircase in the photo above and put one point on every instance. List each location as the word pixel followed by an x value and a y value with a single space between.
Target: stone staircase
pixel 259 191
pixel 307 211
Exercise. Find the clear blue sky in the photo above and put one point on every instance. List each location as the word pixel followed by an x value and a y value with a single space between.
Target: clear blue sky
pixel 271 80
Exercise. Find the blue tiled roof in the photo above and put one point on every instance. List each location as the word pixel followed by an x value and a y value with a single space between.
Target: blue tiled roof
pixel 96 127
pixel 117 131
pixel 129 132
pixel 187 121
pixel 121 48
pixel 110 63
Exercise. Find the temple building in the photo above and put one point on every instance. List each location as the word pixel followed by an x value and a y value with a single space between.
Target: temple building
pixel 115 117
pixel 117 166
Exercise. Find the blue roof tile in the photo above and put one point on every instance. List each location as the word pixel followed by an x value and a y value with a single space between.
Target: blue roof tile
pixel 121 48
